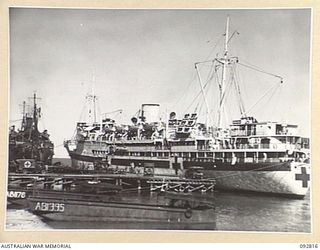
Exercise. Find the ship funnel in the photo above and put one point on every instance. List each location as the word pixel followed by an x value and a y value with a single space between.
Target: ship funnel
pixel 172 115
pixel 134 120
pixel 150 113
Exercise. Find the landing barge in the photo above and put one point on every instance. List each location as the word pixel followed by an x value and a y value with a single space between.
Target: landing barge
pixel 176 209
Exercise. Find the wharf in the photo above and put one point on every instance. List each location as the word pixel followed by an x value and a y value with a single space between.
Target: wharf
pixel 151 183
pixel 90 176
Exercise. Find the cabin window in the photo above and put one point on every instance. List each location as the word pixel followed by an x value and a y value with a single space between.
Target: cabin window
pixel 239 155
pixel 265 143
pixel 273 155
pixel 279 130
pixel 228 155
pixel 263 155
pixel 250 154
pixel 200 154
pixel 291 140
pixel 219 155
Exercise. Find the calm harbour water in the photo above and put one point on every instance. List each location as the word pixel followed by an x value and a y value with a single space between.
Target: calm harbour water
pixel 234 212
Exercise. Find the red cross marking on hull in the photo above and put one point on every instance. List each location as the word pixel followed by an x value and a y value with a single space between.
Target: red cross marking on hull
pixel 304 177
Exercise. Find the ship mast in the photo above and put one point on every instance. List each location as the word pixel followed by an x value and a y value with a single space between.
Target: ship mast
pixel 91 99
pixel 34 132
pixel 35 112
pixel 35 116
pixel 23 115
pixel 222 85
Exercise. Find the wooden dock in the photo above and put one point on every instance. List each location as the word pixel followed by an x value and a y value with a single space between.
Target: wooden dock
pixel 123 181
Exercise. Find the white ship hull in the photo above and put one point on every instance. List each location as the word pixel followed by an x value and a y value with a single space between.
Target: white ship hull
pixel 289 183
pixel 294 181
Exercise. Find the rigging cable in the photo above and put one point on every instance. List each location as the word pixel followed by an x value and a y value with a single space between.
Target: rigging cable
pixel 214 47
pixel 238 90
pixel 243 86
pixel 82 114
pixel 210 73
pixel 214 100
pixel 252 65
pixel 227 112
pixel 209 78
pixel 226 93
pixel 186 90
pixel 195 98
pixel 279 94
pixel 267 92
pixel 270 97
pixel 260 70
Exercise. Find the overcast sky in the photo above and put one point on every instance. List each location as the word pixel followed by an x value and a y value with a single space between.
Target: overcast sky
pixel 148 56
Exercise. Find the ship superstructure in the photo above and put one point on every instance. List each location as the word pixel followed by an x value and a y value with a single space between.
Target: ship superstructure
pixel 28 145
pixel 247 155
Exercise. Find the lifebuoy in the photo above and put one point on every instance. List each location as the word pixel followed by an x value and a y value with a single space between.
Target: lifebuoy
pixel 148 171
pixel 27 164
pixel 188 213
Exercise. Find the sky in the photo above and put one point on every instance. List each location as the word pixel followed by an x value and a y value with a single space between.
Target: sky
pixel 148 56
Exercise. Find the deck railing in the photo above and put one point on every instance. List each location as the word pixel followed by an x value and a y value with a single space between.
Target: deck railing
pixel 275 146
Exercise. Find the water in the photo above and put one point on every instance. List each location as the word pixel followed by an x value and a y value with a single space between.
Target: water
pixel 20 219
pixel 237 212
pixel 234 212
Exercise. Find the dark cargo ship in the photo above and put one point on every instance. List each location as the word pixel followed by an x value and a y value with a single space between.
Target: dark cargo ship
pixel 29 149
